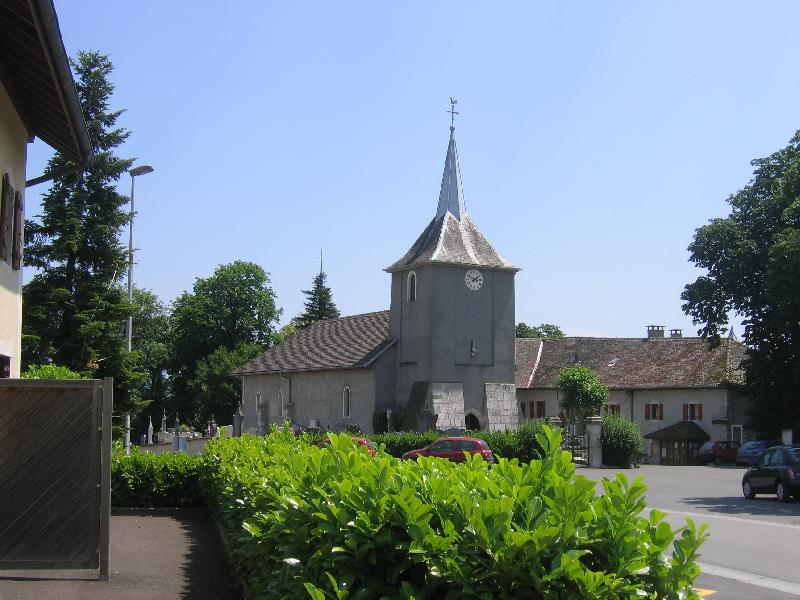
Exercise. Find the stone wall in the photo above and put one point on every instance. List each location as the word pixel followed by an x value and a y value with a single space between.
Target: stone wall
pixel 447 402
pixel 501 406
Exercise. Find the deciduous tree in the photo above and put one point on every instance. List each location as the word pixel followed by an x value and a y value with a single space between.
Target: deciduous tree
pixel 232 308
pixel 582 393
pixel 545 330
pixel 752 259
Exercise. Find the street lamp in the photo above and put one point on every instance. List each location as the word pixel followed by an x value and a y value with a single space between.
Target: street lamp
pixel 134 173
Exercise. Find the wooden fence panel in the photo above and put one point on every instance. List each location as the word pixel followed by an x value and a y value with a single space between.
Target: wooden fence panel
pixel 50 474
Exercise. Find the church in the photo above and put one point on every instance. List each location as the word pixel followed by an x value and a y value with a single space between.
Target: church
pixel 442 357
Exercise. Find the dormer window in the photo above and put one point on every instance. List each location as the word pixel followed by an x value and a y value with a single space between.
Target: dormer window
pixel 412 287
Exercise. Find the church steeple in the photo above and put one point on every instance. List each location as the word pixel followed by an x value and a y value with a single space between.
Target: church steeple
pixel 451 194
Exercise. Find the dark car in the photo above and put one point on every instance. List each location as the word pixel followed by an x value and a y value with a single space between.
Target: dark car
pixel 718 452
pixel 360 441
pixel 750 452
pixel 776 472
pixel 453 448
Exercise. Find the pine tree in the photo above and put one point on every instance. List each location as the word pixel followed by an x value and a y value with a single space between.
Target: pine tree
pixel 74 311
pixel 319 303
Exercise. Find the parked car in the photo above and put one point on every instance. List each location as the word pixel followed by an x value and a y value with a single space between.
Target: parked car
pixel 718 452
pixel 368 444
pixel 453 449
pixel 776 472
pixel 750 452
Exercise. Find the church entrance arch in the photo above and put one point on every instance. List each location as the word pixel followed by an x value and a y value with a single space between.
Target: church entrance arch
pixel 472 422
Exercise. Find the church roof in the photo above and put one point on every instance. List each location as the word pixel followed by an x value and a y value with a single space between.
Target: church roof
pixel 631 363
pixel 448 241
pixel 347 343
pixel 452 238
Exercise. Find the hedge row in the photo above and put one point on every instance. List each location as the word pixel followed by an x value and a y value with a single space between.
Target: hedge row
pixel 336 523
pixel 520 443
pixel 622 441
pixel 145 480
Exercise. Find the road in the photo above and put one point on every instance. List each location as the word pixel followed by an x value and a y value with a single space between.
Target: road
pixel 753 549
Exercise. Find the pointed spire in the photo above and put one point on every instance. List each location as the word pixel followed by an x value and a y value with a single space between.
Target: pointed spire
pixel 451 196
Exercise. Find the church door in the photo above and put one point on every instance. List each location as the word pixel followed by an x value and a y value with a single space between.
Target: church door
pixel 472 422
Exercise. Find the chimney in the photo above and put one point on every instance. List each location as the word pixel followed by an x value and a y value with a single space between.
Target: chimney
pixel 676 333
pixel 655 331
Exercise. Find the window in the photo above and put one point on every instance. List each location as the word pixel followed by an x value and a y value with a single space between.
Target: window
pixel 5 367
pixel 443 446
pixel 346 402
pixel 473 349
pixel 654 411
pixel 611 409
pixel 466 445
pixel 412 287
pixel 540 409
pixel 692 412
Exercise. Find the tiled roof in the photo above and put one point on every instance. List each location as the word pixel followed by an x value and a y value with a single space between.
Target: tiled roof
pixel 346 343
pixel 684 430
pixel 528 353
pixel 633 363
pixel 447 240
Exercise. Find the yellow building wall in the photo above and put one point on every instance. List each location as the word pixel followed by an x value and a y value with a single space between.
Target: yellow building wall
pixel 13 153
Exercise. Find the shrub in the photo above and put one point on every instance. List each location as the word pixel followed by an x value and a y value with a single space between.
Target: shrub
pixel 622 441
pixel 397 443
pixel 144 480
pixel 337 523
pixel 50 372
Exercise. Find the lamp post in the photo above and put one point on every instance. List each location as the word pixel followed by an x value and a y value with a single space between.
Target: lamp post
pixel 134 173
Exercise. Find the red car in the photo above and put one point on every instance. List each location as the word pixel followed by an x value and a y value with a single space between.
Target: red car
pixel 718 452
pixel 370 446
pixel 453 448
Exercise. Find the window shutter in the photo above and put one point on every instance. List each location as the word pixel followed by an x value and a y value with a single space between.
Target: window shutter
pixel 685 412
pixel 660 412
pixel 531 406
pixel 699 412
pixel 6 212
pixel 647 412
pixel 16 252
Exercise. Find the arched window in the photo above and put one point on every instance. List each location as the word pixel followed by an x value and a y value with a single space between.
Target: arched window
pixel 412 287
pixel 346 402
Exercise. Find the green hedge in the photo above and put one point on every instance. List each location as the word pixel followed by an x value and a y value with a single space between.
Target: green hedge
pixel 622 441
pixel 336 523
pixel 145 480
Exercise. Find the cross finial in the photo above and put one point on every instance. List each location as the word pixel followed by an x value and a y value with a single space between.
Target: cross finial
pixel 453 112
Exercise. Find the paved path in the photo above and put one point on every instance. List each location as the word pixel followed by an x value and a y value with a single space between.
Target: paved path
pixel 164 557
pixel 753 550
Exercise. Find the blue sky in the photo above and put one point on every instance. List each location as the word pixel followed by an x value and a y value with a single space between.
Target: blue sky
pixel 594 137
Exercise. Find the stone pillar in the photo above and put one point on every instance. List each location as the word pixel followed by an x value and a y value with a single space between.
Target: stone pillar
pixel 593 427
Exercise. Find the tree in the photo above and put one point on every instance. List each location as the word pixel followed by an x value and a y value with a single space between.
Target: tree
pixel 213 388
pixel 150 341
pixel 752 259
pixel 232 308
pixel 319 304
pixel 73 312
pixel 582 393
pixel 545 330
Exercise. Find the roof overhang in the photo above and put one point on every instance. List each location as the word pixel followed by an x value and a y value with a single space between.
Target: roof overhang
pixel 35 71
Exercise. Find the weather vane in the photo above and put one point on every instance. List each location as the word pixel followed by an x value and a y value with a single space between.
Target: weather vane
pixel 453 112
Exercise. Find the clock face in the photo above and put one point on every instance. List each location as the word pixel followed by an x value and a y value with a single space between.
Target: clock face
pixel 473 279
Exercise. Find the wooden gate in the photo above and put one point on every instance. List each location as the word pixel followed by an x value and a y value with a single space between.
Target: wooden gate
pixel 55 474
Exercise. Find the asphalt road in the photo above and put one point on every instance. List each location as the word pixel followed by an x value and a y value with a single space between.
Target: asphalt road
pixel 753 550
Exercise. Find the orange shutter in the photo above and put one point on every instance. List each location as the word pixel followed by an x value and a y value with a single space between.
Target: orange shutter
pixel 660 412
pixel 699 412
pixel 16 251
pixel 685 412
pixel 647 412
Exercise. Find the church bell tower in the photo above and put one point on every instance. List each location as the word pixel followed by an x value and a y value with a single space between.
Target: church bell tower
pixel 452 312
